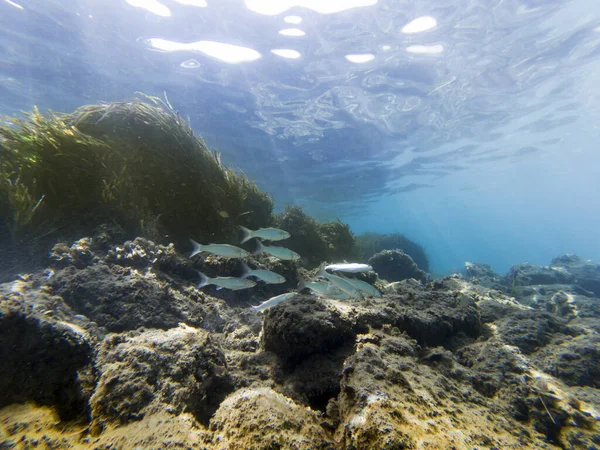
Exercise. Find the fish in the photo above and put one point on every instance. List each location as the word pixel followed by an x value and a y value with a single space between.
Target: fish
pixel 279 252
pixel 265 275
pixel 233 283
pixel 364 287
pixel 269 234
pixel 349 267
pixel 273 301
pixel 340 296
pixel 341 283
pixel 229 251
pixel 322 288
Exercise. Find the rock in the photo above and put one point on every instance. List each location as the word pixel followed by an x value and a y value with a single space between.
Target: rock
pixel 565 300
pixel 586 273
pixel 303 326
pixel 395 265
pixel 428 365
pixel 575 361
pixel 530 330
pixel 263 419
pixel 124 298
pixel 531 274
pixel 178 370
pixel 479 273
pixel 435 318
pixel 45 355
pixel 392 399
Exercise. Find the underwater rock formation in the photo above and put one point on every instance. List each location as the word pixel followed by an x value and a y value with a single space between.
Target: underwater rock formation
pixel 137 164
pixel 447 363
pixel 479 273
pixel 531 274
pixel 395 265
pixel 586 273
pixel 262 418
pixel 315 241
pixel 368 244
pixel 45 349
pixel 144 372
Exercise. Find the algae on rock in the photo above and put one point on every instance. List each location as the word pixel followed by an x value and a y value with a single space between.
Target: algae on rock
pixel 137 164
pixel 315 241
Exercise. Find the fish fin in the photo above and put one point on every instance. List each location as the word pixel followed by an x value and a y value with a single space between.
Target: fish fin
pixel 301 284
pixel 259 247
pixel 322 272
pixel 204 280
pixel 246 271
pixel 246 234
pixel 197 248
pixel 254 308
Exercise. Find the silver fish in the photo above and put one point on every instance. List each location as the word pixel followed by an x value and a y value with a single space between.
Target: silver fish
pixel 323 288
pixel 233 283
pixel 265 275
pixel 269 234
pixel 340 296
pixel 229 251
pixel 279 252
pixel 341 283
pixel 349 267
pixel 273 301
pixel 364 287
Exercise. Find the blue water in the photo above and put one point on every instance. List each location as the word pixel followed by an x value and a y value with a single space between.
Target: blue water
pixel 474 130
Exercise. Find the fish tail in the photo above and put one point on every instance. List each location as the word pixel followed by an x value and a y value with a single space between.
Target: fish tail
pixel 246 234
pixel 259 247
pixel 301 284
pixel 322 272
pixel 246 271
pixel 204 280
pixel 197 248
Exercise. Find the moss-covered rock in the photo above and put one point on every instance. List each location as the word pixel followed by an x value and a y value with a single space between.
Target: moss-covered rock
pixel 314 241
pixel 395 265
pixel 136 164
pixel 368 244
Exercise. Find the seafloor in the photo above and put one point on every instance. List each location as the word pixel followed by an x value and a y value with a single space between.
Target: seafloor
pixel 113 347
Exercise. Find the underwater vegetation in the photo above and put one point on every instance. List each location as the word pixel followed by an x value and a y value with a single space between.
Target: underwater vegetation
pixel 137 165
pixel 129 162
pixel 368 244
pixel 315 241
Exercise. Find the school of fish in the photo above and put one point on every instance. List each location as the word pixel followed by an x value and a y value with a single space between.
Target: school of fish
pixel 337 286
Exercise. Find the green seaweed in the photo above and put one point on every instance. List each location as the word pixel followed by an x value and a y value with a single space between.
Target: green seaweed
pixel 315 241
pixel 136 164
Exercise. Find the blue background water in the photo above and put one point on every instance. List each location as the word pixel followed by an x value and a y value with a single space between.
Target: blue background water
pixel 481 145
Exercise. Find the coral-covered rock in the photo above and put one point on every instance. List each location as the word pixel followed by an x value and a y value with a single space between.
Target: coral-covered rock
pixel 261 419
pixel 178 370
pixel 531 274
pixel 448 363
pixel 530 330
pixel 435 317
pixel 123 298
pixel 575 361
pixel 483 274
pixel 300 327
pixel 45 351
pixel 586 273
